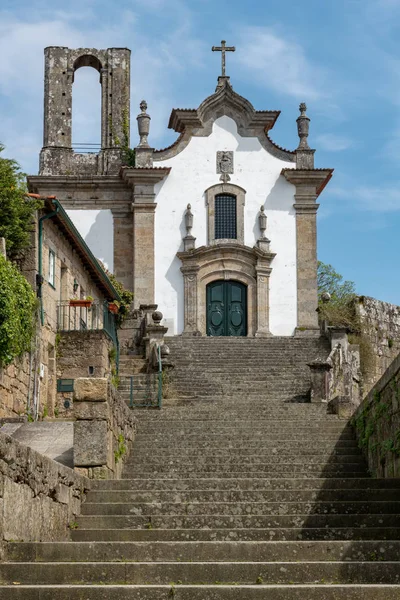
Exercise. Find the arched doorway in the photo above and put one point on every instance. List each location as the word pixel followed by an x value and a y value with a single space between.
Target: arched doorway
pixel 226 308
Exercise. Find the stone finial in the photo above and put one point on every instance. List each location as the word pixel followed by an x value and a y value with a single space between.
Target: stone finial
pixel 262 220
pixel 303 126
pixel 189 240
pixel 143 120
pixel 157 317
pixel 325 297
pixel 189 220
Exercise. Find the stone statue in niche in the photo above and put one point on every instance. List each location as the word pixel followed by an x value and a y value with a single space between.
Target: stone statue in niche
pixel 225 164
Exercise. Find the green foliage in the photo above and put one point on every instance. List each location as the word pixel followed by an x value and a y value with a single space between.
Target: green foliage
pixel 16 209
pixel 17 309
pixel 339 311
pixel 332 282
pixel 121 450
pixel 126 298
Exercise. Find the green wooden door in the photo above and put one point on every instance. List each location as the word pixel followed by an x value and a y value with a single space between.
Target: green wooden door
pixel 226 308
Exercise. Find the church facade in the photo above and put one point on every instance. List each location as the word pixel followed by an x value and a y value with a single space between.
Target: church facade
pixel 219 229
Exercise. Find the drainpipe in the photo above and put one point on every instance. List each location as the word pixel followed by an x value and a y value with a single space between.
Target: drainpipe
pixel 40 269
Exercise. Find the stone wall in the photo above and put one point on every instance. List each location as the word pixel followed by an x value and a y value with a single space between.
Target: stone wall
pixel 16 382
pixel 39 498
pixel 381 326
pixel 77 352
pixel 103 431
pixel 377 424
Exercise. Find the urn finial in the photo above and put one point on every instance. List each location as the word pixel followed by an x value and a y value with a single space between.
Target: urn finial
pixel 143 120
pixel 303 125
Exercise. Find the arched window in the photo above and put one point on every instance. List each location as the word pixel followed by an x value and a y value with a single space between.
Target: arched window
pixel 225 217
pixel 86 105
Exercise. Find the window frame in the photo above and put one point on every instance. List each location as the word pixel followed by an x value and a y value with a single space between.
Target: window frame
pixel 231 190
pixel 52 269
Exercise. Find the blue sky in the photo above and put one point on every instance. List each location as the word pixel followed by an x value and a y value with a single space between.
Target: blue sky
pixel 342 57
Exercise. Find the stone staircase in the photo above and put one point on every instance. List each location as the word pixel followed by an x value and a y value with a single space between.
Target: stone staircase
pixel 240 493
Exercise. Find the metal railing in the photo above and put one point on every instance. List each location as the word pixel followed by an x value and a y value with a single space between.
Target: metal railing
pixel 95 317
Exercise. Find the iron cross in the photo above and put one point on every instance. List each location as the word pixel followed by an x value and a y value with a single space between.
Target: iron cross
pixel 223 48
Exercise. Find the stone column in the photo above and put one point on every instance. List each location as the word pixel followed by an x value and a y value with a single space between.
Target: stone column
pixel 143 252
pixel 309 184
pixel 306 242
pixel 123 245
pixel 263 275
pixel 190 299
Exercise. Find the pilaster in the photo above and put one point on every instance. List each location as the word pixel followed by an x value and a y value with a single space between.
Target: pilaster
pixel 191 299
pixel 263 274
pixel 309 183
pixel 143 252
pixel 123 246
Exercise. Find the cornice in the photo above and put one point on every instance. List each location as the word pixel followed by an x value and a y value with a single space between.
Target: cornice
pixel 308 177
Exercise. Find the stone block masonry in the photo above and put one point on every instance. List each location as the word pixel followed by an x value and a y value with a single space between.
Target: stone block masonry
pixel 104 429
pixel 39 498
pixel 381 326
pixel 15 382
pixel 377 424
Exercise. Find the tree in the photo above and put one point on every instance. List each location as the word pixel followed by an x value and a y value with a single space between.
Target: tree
pixel 329 280
pixel 16 209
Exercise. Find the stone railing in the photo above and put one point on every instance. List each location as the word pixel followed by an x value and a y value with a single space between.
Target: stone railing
pixel 103 431
pixel 39 498
pixel 336 380
pixel 377 424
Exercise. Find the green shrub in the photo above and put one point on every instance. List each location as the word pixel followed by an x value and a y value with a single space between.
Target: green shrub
pixel 17 308
pixel 16 209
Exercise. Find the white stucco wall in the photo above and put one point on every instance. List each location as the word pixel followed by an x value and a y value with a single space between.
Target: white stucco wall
pixel 258 172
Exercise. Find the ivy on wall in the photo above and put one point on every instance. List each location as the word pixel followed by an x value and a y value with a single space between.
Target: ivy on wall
pixel 17 310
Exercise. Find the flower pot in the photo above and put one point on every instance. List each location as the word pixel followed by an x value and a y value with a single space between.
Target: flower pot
pixel 113 308
pixel 81 303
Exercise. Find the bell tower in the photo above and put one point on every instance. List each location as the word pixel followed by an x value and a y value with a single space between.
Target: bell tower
pixel 57 156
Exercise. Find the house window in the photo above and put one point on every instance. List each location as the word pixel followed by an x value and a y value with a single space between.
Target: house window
pixel 225 217
pixel 52 268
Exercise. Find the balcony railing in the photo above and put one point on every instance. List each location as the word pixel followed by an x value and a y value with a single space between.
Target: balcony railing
pixel 95 317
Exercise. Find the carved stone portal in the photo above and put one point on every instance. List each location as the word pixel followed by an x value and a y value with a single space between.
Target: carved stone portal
pixel 225 164
pixel 250 266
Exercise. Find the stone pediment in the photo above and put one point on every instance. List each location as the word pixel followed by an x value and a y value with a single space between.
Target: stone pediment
pixel 224 102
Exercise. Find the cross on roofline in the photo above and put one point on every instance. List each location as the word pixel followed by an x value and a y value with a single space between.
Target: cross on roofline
pixel 223 49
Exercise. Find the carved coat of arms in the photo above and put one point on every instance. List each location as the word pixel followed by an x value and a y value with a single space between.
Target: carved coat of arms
pixel 225 164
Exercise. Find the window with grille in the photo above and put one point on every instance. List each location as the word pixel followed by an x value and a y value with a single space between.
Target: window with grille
pixel 225 217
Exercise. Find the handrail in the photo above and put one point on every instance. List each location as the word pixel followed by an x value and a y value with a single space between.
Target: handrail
pixel 160 372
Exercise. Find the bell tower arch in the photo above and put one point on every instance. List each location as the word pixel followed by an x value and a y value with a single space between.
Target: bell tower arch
pixel 57 156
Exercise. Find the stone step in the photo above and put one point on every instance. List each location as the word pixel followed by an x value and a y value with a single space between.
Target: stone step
pixel 200 572
pixel 247 483
pixel 262 508
pixel 119 496
pixel 265 470
pixel 204 462
pixel 180 448
pixel 244 534
pixel 204 551
pixel 214 521
pixel 203 592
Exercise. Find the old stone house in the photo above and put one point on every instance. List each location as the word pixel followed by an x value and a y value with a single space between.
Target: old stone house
pixel 219 229
pixel 74 327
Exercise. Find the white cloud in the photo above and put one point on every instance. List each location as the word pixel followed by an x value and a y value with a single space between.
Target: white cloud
pixel 380 199
pixel 279 63
pixel 333 143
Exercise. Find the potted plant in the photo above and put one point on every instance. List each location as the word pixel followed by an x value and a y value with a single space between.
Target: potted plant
pixel 113 307
pixel 81 302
